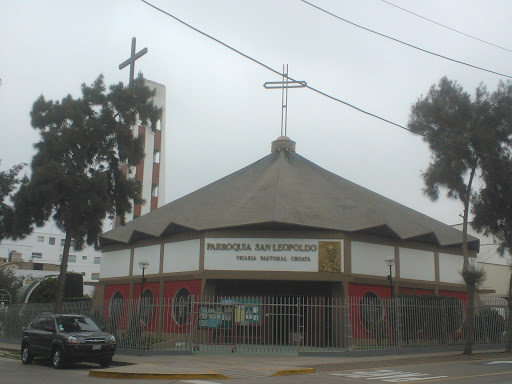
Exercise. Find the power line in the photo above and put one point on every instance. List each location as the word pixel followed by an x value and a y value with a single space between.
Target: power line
pixel 317 90
pixel 447 27
pixel 403 42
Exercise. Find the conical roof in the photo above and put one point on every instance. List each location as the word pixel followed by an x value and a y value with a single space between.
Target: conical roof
pixel 285 189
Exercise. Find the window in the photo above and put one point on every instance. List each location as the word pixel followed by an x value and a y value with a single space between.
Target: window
pixel 76 324
pixel 62 242
pixel 156 156
pixel 71 258
pixel 95 276
pixel 115 307
pixel 154 191
pixel 40 239
pixel 97 260
pixel 37 255
pixel 371 311
pixel 51 240
pixel 146 306
pixel 37 267
pixel 39 323
pixel 84 257
pixel 49 325
pixel 181 306
pixel 158 125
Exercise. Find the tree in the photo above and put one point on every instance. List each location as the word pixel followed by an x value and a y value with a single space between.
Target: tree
pixel 77 172
pixel 493 214
pixel 10 282
pixel 461 132
pixel 8 183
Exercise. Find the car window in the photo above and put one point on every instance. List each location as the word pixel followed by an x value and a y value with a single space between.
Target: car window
pixel 49 324
pixel 39 323
pixel 76 324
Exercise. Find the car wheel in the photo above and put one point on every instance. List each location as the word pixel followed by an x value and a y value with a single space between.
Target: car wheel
pixel 26 356
pixel 106 363
pixel 58 358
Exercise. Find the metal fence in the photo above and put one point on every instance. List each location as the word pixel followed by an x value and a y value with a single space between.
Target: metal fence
pixel 277 324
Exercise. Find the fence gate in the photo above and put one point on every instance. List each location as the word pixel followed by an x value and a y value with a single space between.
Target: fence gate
pixel 267 324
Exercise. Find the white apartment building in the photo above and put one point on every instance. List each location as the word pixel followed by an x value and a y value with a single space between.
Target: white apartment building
pixel 46 247
pixel 496 267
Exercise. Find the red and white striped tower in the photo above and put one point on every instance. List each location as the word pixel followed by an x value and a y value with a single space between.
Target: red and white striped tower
pixel 151 170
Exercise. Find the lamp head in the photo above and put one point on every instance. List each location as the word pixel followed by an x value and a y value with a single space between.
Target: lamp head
pixel 143 264
pixel 390 261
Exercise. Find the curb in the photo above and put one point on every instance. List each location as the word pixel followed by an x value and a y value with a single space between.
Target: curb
pixel 12 356
pixel 293 371
pixel 161 376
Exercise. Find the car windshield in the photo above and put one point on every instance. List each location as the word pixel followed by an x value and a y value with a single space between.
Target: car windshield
pixel 76 324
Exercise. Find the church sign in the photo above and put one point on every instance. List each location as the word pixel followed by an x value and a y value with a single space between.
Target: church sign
pixel 268 254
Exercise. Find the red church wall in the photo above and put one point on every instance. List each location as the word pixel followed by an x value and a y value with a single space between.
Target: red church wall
pixel 357 291
pixel 416 291
pixel 459 295
pixel 152 324
pixel 170 289
pixel 124 290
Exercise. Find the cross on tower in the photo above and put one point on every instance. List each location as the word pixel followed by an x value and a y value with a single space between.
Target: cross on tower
pixel 131 61
pixel 284 85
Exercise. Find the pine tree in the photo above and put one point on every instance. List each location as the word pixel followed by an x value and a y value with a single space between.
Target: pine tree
pixel 461 131
pixel 78 174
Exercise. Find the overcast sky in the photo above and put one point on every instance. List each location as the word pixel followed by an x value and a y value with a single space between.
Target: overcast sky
pixel 220 118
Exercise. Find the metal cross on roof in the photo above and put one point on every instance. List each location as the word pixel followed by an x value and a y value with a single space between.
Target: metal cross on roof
pixel 284 85
pixel 131 61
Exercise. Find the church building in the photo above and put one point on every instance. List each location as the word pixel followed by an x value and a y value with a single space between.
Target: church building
pixel 282 227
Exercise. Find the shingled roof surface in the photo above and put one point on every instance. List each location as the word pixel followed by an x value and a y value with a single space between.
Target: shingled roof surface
pixel 287 189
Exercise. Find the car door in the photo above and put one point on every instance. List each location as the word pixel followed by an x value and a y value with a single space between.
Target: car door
pixel 47 336
pixel 34 334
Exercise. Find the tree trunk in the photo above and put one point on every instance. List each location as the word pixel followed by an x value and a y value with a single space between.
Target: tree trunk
pixel 61 282
pixel 468 347
pixel 470 322
pixel 508 345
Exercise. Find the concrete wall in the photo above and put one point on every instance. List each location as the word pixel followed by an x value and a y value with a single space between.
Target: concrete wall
pixel 115 264
pixel 181 256
pixel 416 264
pixel 368 259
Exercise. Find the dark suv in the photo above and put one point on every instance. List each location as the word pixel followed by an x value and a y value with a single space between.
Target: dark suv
pixel 67 338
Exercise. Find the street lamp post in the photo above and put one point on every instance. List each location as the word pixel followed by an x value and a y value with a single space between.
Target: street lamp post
pixel 143 264
pixel 390 261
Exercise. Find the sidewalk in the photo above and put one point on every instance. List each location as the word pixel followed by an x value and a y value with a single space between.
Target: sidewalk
pixel 224 366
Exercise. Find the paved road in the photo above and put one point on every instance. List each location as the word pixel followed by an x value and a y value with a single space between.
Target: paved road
pixel 460 372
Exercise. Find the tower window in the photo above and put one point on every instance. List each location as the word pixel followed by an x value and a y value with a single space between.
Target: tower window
pixel 154 190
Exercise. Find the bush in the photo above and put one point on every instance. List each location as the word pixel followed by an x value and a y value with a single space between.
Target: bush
pixel 428 317
pixel 490 326
pixel 46 291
